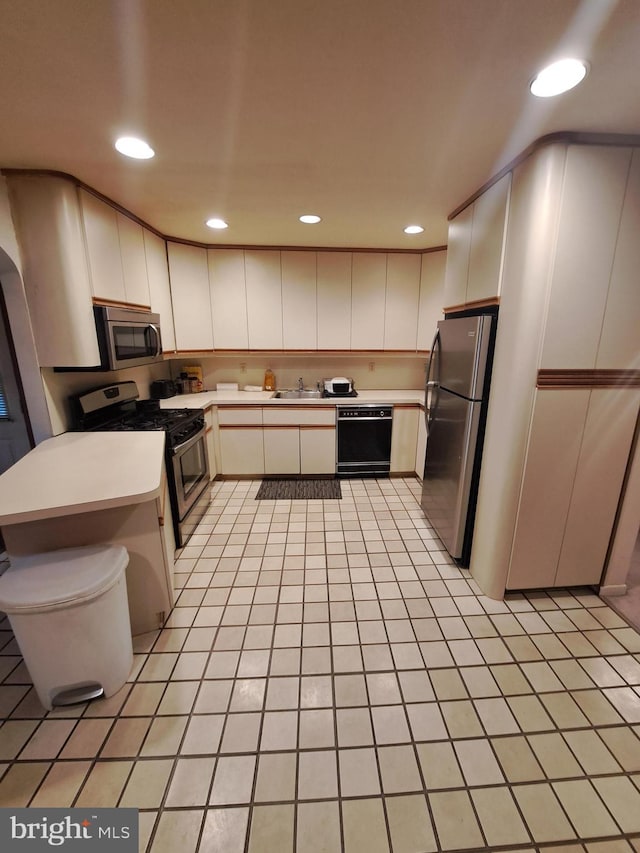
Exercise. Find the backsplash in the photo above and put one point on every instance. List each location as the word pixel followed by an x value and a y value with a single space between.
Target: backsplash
pixel 369 372
pixel 60 386
pixel 389 372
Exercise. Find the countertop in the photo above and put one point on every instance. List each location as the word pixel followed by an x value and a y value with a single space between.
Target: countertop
pixel 81 472
pixel 265 398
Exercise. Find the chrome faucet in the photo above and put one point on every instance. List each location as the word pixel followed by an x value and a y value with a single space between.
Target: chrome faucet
pixel 300 384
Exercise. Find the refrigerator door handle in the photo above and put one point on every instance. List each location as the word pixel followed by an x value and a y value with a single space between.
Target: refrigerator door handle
pixel 432 385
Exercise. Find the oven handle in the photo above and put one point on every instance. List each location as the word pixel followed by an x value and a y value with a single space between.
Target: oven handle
pixel 175 450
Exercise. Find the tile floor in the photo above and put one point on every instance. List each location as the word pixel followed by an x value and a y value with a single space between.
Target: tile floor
pixel 329 681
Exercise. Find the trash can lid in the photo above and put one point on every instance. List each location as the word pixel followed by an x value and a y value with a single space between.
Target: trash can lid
pixel 56 578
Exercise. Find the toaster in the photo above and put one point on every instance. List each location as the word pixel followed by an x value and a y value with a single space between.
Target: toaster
pixel 162 388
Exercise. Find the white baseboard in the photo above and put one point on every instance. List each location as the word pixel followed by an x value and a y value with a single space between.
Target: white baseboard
pixel 613 590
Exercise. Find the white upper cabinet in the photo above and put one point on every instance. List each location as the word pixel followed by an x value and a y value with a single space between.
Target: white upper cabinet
pixel 134 263
pixel 368 290
pixel 228 298
pixel 116 253
pixel 487 241
pixel 50 232
pixel 592 200
pixel 619 340
pixel 155 250
pixel 431 297
pixel 458 249
pixel 402 301
pixel 189 276
pixel 334 300
pixel 299 306
pixel 103 248
pixel 475 248
pixel 264 299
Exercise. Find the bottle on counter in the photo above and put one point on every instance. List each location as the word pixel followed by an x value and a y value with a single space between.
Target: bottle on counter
pixel 269 380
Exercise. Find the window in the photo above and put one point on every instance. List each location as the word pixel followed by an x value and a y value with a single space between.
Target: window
pixel 4 412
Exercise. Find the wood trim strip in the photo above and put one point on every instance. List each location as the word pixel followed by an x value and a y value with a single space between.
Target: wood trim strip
pixel 476 303
pixel 406 405
pixel 317 426
pixel 114 303
pixel 54 173
pixel 559 379
pixel 240 426
pixel 567 137
pixel 286 352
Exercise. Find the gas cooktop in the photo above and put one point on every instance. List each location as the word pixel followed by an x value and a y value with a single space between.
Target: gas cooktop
pixel 116 408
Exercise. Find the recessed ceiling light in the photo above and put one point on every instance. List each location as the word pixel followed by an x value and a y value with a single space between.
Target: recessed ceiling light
pixel 310 218
pixel 413 229
pixel 136 148
pixel 558 77
pixel 216 223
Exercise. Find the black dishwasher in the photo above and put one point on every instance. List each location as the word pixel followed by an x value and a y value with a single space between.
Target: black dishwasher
pixel 364 440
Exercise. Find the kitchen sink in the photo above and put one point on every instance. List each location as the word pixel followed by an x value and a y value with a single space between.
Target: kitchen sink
pixel 297 395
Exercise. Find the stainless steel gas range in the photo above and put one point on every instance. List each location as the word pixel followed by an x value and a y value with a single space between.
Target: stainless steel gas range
pixel 117 407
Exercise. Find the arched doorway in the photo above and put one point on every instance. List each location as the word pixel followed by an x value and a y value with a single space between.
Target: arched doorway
pixel 16 436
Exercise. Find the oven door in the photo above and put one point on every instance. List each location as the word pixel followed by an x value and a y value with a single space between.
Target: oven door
pixel 190 472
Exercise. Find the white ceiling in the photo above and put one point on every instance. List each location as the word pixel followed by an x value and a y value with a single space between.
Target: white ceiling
pixel 372 113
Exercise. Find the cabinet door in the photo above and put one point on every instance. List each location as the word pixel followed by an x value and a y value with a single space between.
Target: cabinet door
pixel 264 299
pixel 134 263
pixel 281 450
pixel 619 339
pixel 49 227
pixel 458 248
pixel 299 309
pixel 487 241
pixel 155 250
pixel 228 298
pixel 190 296
pixel 103 248
pixel 368 288
pixel 401 302
pixel 550 467
pixel 241 450
pixel 404 439
pixel 431 297
pixel 592 199
pixel 334 300
pixel 317 450
pixel 604 453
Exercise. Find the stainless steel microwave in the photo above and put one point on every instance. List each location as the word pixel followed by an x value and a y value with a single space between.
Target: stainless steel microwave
pixel 127 338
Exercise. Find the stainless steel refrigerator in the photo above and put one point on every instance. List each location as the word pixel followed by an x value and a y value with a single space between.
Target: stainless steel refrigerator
pixel 456 398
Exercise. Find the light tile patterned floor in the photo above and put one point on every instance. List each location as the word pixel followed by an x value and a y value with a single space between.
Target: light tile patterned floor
pixel 329 681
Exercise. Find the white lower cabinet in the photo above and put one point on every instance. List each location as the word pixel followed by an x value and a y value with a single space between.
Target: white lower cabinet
pixel 241 442
pixel 241 450
pixel 317 450
pixel 281 450
pixel 279 440
pixel 404 438
pixel 571 486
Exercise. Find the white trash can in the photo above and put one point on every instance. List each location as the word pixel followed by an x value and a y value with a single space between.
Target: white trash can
pixel 69 612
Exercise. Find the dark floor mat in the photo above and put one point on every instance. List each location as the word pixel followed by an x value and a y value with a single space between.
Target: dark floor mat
pixel 299 490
